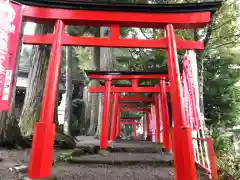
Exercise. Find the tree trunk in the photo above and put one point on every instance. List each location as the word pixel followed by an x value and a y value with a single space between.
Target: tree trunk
pixel 94 108
pixel 10 135
pixel 68 105
pixel 36 80
pixel 100 111
pixel 93 100
pixel 107 57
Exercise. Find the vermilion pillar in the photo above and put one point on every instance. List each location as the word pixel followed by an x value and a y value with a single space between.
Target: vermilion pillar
pixel 118 130
pixel 106 111
pixel 183 148
pixel 135 131
pixel 156 106
pixel 114 117
pixel 43 141
pixel 148 122
pixel 212 156
pixel 165 116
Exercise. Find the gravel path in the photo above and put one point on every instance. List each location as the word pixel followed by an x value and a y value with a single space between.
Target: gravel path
pixel 103 172
pixel 84 172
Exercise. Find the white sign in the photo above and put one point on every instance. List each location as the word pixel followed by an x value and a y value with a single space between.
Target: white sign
pixel 22 82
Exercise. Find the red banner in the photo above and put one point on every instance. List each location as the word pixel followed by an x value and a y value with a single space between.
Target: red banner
pixel 10 27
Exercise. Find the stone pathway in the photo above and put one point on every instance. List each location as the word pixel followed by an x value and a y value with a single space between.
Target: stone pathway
pixel 117 165
pixel 124 158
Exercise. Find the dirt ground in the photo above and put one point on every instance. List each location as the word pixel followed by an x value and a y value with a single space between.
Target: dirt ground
pixel 11 158
pixel 64 171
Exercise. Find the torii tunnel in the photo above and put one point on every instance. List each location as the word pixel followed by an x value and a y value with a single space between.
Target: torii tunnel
pixel 131 121
pixel 123 103
pixel 169 17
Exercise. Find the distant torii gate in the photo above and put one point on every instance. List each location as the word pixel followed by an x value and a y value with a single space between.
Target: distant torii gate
pixel 168 17
pixel 134 77
pixel 124 107
pixel 131 121
pixel 140 88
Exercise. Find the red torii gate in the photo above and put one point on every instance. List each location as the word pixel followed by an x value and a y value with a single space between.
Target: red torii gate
pixel 138 88
pixel 131 121
pixel 124 107
pixel 134 77
pixel 169 17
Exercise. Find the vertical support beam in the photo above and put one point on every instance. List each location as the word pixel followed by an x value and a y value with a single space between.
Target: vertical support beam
pixel 106 111
pixel 114 117
pixel 212 157
pixel 149 132
pixel 159 106
pixel 134 131
pixel 153 123
pixel 115 31
pixel 165 116
pixel 135 83
pixel 156 105
pixel 44 132
pixel 118 130
pixel 184 167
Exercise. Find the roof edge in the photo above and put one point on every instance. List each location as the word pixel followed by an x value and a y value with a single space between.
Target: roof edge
pixel 145 8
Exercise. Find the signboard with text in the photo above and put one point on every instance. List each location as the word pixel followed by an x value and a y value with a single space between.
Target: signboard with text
pixel 10 27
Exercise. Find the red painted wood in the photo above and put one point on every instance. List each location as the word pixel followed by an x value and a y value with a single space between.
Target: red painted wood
pixel 124 89
pixel 118 131
pixel 44 132
pixel 114 116
pixel 127 19
pixel 130 118
pixel 165 117
pixel 115 31
pixel 125 105
pixel 184 168
pixel 133 98
pixel 125 122
pixel 134 132
pixel 127 77
pixel 213 161
pixel 146 122
pixel 134 109
pixel 112 42
pixel 106 113
pixel 156 106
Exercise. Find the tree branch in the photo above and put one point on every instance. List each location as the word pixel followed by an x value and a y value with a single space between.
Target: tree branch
pixel 144 33
pixel 226 36
pixel 223 24
pixel 224 44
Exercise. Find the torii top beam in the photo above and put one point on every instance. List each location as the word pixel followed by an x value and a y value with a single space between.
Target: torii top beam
pixel 130 118
pixel 183 16
pixel 134 98
pixel 139 105
pixel 119 75
pixel 130 123
pixel 122 75
pixel 127 109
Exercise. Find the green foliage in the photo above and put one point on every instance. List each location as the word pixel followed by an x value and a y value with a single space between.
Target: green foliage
pixel 227 162
pixel 221 100
pixel 84 56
